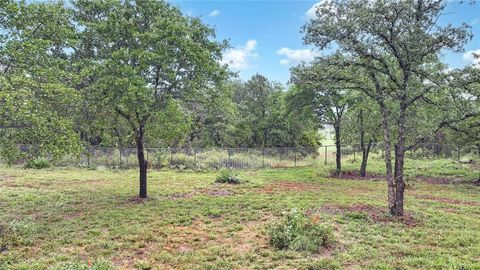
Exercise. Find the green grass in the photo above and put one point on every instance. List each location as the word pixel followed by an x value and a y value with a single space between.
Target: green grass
pixel 72 218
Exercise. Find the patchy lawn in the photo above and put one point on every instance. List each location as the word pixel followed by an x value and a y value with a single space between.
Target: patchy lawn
pixel 73 218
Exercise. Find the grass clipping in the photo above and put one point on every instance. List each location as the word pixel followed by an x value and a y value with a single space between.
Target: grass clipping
pixel 298 232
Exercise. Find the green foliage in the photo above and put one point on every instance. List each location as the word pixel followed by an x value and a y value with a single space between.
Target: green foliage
pixel 300 233
pixel 36 100
pixel 227 176
pixel 311 139
pixel 38 163
pixel 19 232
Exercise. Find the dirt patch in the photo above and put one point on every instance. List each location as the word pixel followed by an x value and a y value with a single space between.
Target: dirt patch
pixel 137 200
pixel 7 177
pixel 446 200
pixel 220 192
pixel 373 213
pixel 446 181
pixel 285 186
pixel 355 175
pixel 73 215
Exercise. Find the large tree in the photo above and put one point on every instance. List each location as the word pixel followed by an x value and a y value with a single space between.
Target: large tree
pixel 141 55
pixel 397 45
pixel 36 99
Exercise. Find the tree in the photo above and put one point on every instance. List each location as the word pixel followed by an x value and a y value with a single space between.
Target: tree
pixel 397 45
pixel 261 107
pixel 363 121
pixel 328 101
pixel 141 55
pixel 36 99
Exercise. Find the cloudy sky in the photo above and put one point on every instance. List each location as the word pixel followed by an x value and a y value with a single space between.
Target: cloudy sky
pixel 266 38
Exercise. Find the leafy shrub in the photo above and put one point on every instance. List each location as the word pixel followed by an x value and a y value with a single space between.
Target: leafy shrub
pixel 227 176
pixel 299 233
pixel 38 163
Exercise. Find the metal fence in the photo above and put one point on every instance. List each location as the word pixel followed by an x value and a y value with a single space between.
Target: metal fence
pixel 249 158
pixel 196 158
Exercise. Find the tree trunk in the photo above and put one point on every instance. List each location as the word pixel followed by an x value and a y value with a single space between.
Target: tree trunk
pixel 365 153
pixel 338 154
pixel 397 209
pixel 388 156
pixel 478 152
pixel 142 163
pixel 365 149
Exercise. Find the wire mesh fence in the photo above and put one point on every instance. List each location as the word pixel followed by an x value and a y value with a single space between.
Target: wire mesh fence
pixel 196 158
pixel 249 158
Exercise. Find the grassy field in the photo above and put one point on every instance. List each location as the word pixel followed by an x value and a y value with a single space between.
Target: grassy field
pixel 80 218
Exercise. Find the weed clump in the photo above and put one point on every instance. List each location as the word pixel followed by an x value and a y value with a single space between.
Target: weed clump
pixel 300 233
pixel 96 265
pixel 228 176
pixel 17 233
pixel 38 163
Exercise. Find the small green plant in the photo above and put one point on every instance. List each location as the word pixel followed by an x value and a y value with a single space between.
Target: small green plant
pixel 96 265
pixel 300 233
pixel 228 176
pixel 37 163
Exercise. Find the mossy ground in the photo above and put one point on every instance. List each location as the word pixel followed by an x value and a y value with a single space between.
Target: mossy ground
pixel 53 217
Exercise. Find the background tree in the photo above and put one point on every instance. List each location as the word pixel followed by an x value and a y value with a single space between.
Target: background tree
pixel 141 56
pixel 328 101
pixel 397 44
pixel 35 96
pixel 363 132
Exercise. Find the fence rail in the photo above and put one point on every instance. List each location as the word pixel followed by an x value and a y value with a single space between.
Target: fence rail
pixel 246 158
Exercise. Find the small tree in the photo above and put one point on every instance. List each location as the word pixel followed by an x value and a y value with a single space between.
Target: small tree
pixel 141 55
pixel 363 121
pixel 328 101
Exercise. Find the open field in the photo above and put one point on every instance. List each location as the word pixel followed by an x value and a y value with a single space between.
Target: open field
pixel 71 218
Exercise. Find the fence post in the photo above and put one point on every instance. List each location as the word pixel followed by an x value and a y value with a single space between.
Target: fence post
pixel 88 156
pixel 325 155
pixel 171 158
pixel 263 157
pixel 458 153
pixel 354 158
pixel 295 158
pixel 229 151
pixel 195 157
pixel 120 157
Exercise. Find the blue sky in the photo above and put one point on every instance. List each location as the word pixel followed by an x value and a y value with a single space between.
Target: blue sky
pixel 266 38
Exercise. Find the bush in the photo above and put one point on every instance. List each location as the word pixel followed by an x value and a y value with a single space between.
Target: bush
pixel 38 163
pixel 299 233
pixel 227 176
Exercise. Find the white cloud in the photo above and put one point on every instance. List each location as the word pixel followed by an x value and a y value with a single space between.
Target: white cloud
pixel 214 13
pixel 470 58
pixel 296 56
pixel 311 12
pixel 239 58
